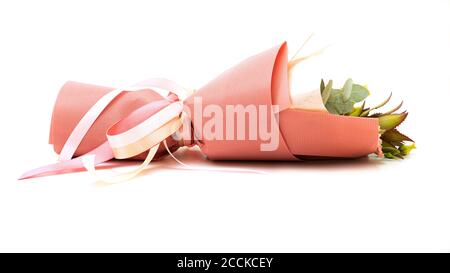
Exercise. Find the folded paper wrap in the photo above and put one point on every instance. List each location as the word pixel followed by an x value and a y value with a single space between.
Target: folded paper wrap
pixel 260 80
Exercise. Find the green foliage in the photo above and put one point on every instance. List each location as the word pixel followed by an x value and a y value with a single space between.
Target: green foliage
pixel 342 102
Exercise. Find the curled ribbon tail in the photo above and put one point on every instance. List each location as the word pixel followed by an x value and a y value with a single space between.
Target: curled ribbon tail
pixel 89 164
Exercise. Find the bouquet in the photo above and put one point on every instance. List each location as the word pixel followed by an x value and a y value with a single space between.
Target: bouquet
pixel 246 113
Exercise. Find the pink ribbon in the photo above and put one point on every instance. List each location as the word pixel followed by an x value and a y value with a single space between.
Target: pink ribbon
pixel 104 152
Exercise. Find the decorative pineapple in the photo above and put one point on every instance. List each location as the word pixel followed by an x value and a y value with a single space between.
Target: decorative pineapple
pixel 395 145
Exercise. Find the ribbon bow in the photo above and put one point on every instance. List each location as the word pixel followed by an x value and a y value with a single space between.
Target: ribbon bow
pixel 142 130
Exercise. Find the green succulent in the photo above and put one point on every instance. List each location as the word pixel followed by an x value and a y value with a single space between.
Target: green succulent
pixel 395 145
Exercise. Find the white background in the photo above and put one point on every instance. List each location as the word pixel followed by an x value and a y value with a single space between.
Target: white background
pixel 362 205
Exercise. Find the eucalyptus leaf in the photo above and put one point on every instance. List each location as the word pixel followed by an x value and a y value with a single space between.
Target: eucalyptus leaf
pixel 336 104
pixel 347 90
pixel 340 101
pixel 359 93
pixel 327 92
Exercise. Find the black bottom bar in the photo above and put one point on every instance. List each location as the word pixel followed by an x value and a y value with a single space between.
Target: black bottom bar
pixel 208 262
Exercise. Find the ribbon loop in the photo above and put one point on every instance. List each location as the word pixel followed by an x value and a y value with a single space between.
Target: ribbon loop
pixel 142 130
pixel 135 133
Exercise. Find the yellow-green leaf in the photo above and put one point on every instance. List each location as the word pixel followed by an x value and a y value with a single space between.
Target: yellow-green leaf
pixel 365 113
pixel 392 151
pixel 391 121
pixel 389 155
pixel 406 149
pixel 358 110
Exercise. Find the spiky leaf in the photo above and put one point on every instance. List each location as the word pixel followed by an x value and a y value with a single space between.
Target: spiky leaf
pixel 387 144
pixel 394 135
pixel 391 121
pixel 365 112
pixel 383 103
pixel 393 110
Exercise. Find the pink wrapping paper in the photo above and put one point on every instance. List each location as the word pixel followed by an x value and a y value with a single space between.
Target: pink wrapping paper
pixel 75 99
pixel 259 80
